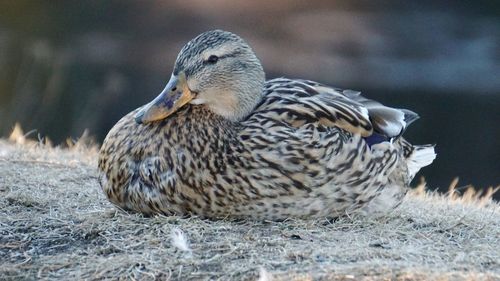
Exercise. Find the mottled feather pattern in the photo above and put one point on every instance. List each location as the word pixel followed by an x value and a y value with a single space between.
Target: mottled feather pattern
pixel 246 148
pixel 282 161
pixel 302 101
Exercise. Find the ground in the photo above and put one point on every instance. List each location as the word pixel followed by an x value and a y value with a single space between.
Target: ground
pixel 55 223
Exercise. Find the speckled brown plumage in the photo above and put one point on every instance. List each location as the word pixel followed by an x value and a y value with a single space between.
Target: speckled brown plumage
pixel 303 150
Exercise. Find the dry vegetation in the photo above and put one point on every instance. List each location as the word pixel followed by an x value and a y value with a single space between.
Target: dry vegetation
pixel 56 224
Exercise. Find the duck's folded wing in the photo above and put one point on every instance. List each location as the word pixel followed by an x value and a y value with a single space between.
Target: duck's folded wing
pixel 386 120
pixel 298 102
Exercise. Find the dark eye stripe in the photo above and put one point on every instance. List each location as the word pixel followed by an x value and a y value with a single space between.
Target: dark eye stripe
pixel 212 59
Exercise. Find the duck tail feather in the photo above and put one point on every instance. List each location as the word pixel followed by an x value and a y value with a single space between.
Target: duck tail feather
pixel 421 156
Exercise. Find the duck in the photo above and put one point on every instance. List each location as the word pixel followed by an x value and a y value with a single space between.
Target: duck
pixel 222 142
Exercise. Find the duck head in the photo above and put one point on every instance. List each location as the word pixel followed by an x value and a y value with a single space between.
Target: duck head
pixel 218 70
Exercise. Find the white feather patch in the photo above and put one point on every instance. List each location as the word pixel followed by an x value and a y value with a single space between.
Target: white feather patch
pixel 421 157
pixel 179 240
pixel 264 275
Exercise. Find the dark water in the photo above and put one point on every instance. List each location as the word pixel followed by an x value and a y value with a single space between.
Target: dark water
pixel 70 65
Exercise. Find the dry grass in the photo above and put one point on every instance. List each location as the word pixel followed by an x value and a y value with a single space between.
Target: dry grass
pixel 56 224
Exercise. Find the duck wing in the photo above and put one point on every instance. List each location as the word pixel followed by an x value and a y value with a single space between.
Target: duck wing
pixel 298 102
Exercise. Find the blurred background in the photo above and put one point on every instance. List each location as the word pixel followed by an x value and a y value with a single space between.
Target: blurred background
pixel 67 66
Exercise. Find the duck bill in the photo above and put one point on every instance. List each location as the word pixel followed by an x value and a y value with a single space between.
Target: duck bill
pixel 174 96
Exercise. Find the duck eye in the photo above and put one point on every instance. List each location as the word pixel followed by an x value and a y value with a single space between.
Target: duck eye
pixel 212 59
